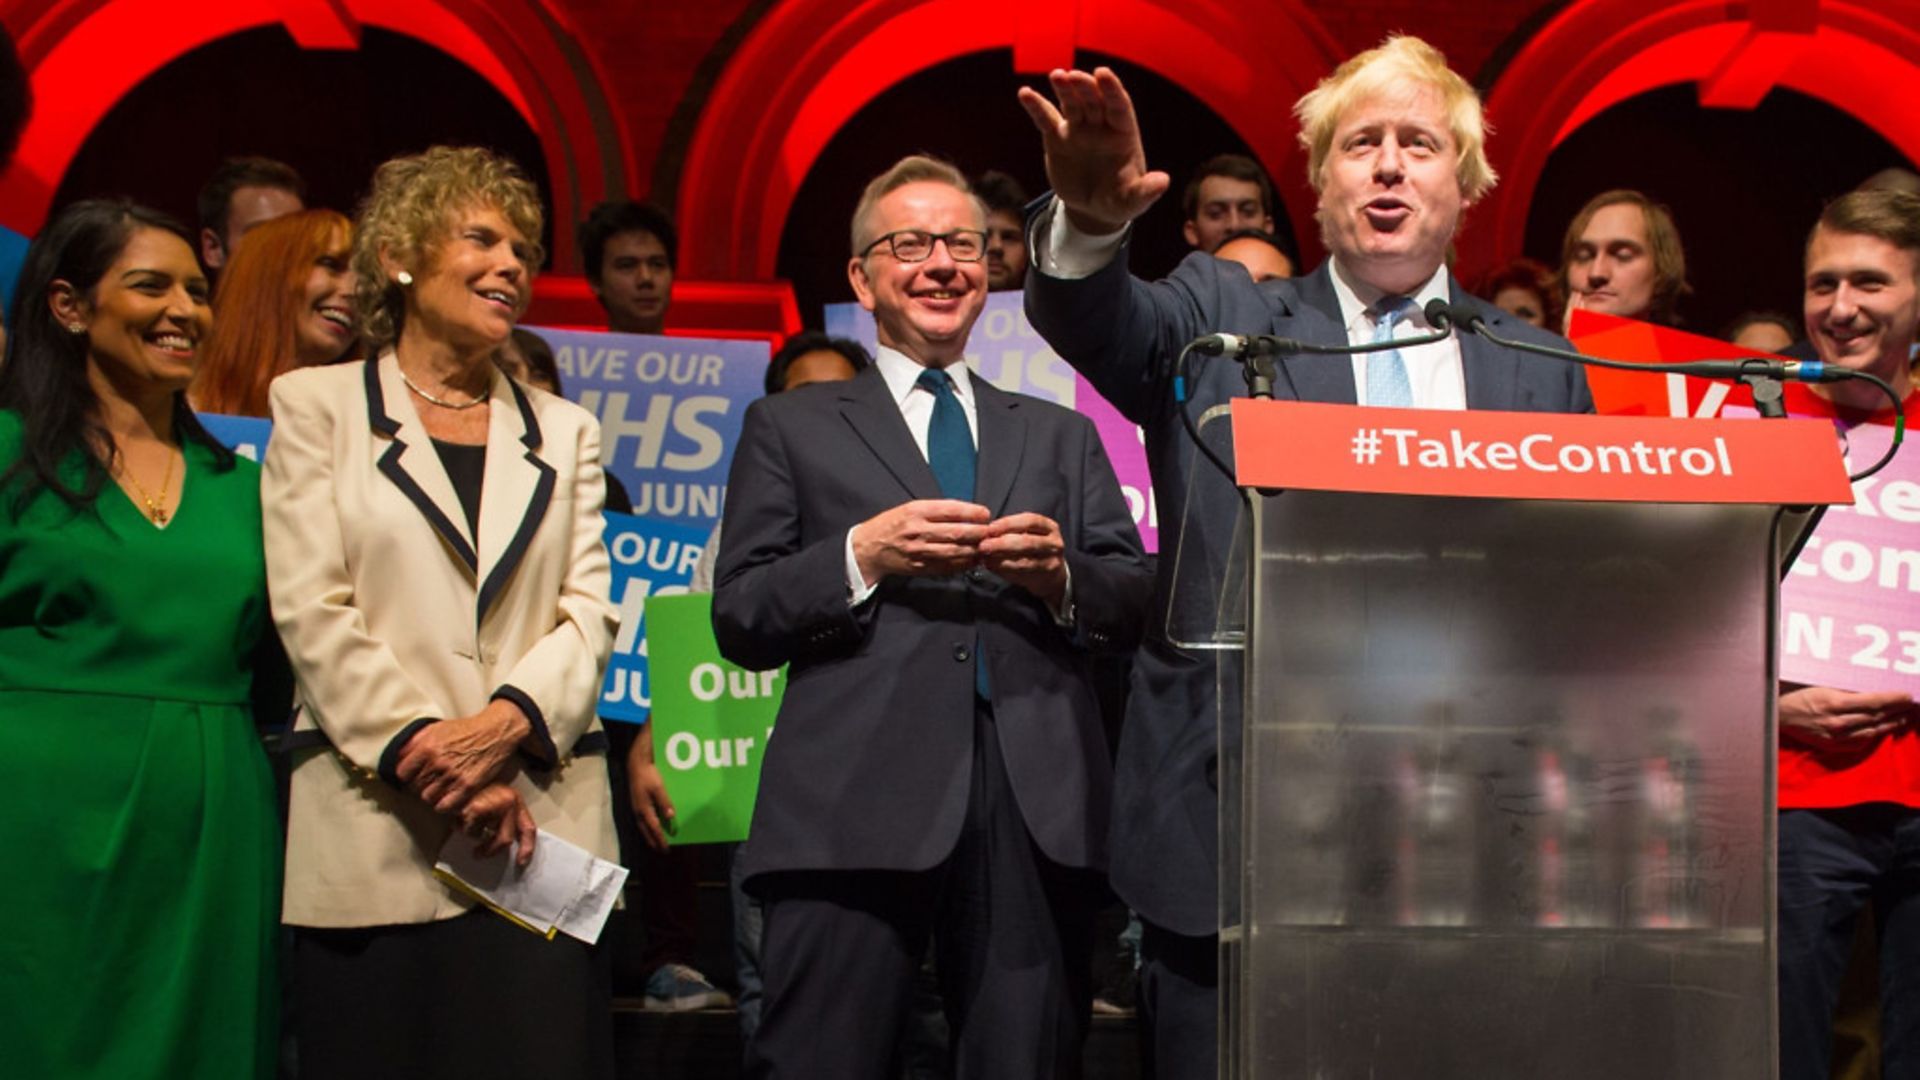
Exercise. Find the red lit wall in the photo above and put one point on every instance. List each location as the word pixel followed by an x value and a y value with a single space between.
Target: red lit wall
pixel 720 107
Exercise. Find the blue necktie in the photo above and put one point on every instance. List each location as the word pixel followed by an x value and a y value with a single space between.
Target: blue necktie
pixel 1387 382
pixel 951 454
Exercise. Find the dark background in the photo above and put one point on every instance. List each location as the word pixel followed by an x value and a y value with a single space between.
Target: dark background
pixel 1744 188
pixel 965 111
pixel 335 116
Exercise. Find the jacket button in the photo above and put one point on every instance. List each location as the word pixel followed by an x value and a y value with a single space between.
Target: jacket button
pixel 976 574
pixel 962 653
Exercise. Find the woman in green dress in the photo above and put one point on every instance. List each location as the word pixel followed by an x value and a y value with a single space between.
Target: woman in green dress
pixel 139 913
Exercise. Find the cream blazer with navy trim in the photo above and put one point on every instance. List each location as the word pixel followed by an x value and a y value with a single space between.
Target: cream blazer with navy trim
pixel 395 616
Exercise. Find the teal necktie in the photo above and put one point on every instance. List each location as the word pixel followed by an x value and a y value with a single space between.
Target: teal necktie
pixel 951 455
pixel 949 443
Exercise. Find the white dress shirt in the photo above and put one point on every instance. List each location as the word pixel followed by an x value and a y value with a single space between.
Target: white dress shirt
pixel 902 374
pixel 1433 371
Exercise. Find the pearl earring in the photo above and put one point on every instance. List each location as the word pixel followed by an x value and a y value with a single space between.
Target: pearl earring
pixel 405 279
pixel 76 328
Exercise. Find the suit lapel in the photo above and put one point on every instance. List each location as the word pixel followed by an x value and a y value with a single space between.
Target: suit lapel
pixel 1316 318
pixel 1003 438
pixel 870 410
pixel 518 489
pixel 409 459
pixel 1490 373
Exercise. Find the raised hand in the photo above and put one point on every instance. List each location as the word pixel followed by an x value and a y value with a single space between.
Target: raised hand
pixel 1095 160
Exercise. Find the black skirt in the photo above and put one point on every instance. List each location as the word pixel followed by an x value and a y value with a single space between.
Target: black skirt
pixel 467 998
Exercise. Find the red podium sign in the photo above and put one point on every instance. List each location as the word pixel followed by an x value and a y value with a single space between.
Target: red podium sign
pixel 1508 455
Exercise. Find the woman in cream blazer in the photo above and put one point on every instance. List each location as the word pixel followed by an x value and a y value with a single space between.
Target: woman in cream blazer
pixel 437 573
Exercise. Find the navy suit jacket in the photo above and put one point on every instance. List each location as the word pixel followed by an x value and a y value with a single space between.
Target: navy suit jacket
pixel 872 754
pixel 1125 335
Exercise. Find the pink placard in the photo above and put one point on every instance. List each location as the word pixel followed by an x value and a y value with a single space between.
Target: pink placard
pixel 1125 447
pixel 1850 607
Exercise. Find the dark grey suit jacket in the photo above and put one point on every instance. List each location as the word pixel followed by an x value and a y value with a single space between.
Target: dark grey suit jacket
pixel 1124 335
pixel 870 762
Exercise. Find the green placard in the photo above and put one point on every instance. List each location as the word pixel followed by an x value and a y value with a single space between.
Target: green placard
pixel 711 719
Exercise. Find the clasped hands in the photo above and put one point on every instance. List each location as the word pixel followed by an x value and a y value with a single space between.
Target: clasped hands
pixel 1823 718
pixel 462 767
pixel 937 537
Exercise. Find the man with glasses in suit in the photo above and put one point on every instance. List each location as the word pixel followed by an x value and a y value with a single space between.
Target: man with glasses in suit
pixel 933 558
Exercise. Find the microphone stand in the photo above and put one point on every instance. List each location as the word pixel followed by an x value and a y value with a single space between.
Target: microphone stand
pixel 1256 354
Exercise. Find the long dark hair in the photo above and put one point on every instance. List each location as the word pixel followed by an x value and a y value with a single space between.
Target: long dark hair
pixel 43 378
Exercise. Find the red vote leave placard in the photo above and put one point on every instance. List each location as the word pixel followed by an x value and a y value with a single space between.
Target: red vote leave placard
pixel 1510 455
pixel 1655 393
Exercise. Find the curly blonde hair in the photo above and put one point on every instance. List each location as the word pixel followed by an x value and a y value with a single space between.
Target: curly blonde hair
pixel 411 210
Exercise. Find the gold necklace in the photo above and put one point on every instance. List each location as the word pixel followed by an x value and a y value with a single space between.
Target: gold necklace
pixel 156 505
pixel 442 402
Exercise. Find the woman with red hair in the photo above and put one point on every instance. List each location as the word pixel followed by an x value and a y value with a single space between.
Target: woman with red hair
pixel 285 301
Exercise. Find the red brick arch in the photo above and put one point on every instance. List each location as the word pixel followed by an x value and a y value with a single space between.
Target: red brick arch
pixel 85 55
pixel 810 66
pixel 1861 58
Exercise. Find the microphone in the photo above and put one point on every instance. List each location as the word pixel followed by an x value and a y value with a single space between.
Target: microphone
pixel 1809 371
pixel 1234 345
pixel 1763 375
pixel 1251 346
pixel 1246 346
pixel 1256 351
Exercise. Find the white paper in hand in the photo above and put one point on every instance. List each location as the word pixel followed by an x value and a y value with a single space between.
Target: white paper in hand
pixel 563 887
pixel 587 916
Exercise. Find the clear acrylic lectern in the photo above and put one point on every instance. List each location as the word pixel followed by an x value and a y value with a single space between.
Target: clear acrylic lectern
pixel 1496 783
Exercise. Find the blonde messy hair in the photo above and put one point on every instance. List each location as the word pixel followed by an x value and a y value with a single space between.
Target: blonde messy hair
pixel 912 169
pixel 1395 66
pixel 411 210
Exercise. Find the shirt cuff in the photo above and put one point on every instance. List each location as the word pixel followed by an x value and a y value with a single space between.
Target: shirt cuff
pixel 1063 611
pixel 858 591
pixel 389 765
pixel 545 753
pixel 1069 253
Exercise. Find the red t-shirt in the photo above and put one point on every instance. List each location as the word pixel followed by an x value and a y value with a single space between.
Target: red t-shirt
pixel 1887 770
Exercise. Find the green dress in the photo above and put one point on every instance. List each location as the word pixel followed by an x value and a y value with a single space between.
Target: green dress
pixel 139 906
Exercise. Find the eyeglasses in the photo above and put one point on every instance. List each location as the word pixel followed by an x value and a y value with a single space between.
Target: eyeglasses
pixel 916 245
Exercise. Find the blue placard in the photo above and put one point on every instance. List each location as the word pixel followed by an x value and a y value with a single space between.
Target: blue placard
pixel 650 558
pixel 670 412
pixel 244 435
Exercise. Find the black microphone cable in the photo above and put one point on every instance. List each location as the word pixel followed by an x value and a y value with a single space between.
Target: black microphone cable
pixel 1439 312
pixel 1180 369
